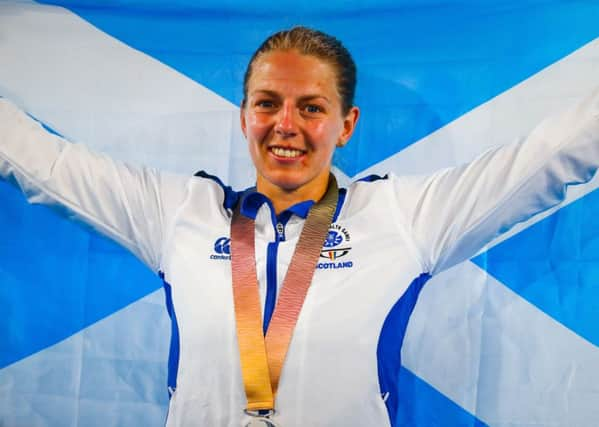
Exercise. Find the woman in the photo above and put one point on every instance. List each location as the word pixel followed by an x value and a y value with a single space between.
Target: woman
pixel 341 366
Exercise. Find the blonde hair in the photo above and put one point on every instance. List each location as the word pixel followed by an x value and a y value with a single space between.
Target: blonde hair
pixel 308 41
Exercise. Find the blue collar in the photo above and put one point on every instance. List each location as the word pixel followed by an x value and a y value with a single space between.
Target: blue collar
pixel 252 201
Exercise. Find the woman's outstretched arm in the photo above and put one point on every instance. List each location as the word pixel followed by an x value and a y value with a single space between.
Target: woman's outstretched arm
pixel 130 205
pixel 453 213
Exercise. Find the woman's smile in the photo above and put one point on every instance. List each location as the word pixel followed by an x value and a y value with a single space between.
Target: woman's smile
pixel 286 154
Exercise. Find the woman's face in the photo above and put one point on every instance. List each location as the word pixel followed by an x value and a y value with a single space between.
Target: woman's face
pixel 292 120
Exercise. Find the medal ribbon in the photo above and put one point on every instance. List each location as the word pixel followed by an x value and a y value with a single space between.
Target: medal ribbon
pixel 262 357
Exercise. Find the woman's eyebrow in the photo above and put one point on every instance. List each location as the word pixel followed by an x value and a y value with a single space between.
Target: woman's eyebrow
pixel 266 92
pixel 305 98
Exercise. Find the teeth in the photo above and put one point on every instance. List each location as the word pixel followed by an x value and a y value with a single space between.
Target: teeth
pixel 286 152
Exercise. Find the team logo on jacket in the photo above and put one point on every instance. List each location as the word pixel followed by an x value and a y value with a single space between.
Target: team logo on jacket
pixel 222 248
pixel 336 246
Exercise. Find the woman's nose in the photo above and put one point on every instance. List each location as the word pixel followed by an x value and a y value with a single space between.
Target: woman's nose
pixel 286 121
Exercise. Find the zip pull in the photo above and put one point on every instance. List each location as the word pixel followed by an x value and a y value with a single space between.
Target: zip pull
pixel 280 231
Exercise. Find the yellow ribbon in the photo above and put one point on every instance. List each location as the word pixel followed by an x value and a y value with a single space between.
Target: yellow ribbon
pixel 262 358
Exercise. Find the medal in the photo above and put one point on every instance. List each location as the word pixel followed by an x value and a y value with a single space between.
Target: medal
pixel 262 356
pixel 261 422
pixel 261 419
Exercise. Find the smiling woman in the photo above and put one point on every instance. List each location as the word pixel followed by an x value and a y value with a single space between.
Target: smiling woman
pixel 297 107
pixel 293 120
pixel 264 333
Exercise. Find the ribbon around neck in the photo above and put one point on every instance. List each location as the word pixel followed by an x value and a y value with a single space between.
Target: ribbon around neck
pixel 262 357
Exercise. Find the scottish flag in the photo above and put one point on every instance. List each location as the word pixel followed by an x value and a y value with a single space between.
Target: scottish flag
pixel 508 338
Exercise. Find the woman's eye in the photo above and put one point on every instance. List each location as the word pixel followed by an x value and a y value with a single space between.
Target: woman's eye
pixel 313 109
pixel 265 104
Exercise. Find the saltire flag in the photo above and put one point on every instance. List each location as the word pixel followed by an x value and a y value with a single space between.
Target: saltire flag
pixel 509 338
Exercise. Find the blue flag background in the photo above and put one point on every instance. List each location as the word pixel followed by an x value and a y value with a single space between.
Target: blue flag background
pixel 509 338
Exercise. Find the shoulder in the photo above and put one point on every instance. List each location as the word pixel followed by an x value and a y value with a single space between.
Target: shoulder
pixel 369 192
pixel 221 193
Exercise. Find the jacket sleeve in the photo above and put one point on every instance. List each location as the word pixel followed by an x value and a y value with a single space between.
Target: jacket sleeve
pixel 130 205
pixel 453 213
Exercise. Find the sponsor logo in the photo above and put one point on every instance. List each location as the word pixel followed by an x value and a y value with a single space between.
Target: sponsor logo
pixel 222 247
pixel 336 245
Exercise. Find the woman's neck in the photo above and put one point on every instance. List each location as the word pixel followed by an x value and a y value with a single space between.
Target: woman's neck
pixel 283 199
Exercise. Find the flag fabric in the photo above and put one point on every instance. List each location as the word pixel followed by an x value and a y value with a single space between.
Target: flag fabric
pixel 508 338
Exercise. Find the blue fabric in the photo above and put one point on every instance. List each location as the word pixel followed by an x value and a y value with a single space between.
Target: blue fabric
pixel 57 306
pixel 173 355
pixel 555 265
pixel 424 71
pixel 271 283
pixel 390 342
pixel 422 405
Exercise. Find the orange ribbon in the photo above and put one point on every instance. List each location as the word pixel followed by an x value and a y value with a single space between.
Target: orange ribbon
pixel 262 358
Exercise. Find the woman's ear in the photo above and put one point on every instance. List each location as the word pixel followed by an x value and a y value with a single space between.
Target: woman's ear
pixel 349 125
pixel 242 118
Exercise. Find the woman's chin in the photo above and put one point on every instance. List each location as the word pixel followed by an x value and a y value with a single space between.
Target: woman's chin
pixel 288 184
pixel 294 182
pixel 287 181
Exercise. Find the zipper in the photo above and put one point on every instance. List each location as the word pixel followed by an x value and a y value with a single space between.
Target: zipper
pixel 271 275
pixel 280 228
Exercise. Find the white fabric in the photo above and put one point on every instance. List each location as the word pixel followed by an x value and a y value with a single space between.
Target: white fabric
pixel 399 228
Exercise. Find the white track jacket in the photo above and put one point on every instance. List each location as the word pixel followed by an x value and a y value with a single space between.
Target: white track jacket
pixel 388 237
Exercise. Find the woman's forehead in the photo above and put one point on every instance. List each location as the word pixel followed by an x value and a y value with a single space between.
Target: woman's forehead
pixel 289 70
